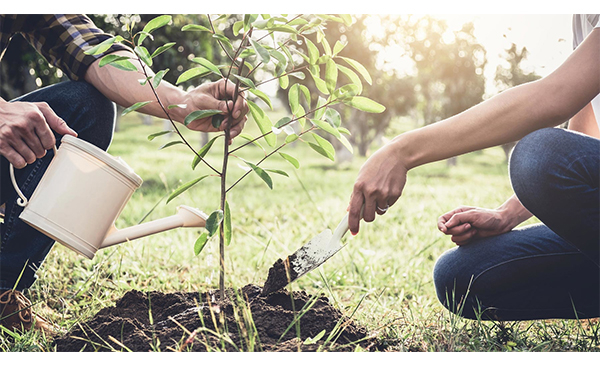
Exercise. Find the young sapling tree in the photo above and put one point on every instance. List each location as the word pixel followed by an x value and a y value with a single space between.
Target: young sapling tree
pixel 262 49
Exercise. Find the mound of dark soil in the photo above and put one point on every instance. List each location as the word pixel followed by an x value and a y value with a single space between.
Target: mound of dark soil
pixel 243 321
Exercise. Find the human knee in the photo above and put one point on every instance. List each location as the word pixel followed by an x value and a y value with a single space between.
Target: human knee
pixel 532 161
pixel 448 279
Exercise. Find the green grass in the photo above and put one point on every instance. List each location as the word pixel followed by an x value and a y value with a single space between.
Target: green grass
pixel 383 277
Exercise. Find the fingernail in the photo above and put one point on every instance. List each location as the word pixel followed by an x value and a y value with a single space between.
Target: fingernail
pixel 236 114
pixel 354 233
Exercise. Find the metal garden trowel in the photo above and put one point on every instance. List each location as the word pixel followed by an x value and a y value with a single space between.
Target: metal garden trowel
pixel 308 257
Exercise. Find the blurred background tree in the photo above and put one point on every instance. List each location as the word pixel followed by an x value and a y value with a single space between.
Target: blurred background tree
pixel 442 73
pixel 513 75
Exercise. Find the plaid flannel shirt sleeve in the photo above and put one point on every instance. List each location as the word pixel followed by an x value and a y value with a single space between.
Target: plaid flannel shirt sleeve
pixel 63 39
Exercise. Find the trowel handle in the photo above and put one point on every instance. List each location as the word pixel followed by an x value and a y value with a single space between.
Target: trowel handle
pixel 22 200
pixel 341 229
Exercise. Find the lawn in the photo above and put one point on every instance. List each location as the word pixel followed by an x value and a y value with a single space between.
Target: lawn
pixel 383 276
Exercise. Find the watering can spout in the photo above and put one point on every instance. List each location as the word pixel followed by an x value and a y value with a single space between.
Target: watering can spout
pixel 185 217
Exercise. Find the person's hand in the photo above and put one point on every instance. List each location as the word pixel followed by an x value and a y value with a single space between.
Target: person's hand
pixel 466 224
pixel 378 186
pixel 219 96
pixel 26 131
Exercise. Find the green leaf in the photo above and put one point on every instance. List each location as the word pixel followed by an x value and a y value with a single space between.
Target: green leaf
pixel 124 65
pixel 262 97
pixel 248 19
pixel 284 81
pixel 227 230
pixel 331 73
pixel 326 127
pixel 290 159
pixel 261 51
pixel 338 47
pixel 203 151
pixel 284 29
pixel 306 93
pixel 314 340
pixel 344 130
pixel 206 63
pixel 298 74
pixel 156 80
pixel 280 172
pixel 319 83
pixel 193 73
pixel 162 49
pixel 320 110
pixel 195 28
pixel 261 173
pixel 200 243
pixel 135 106
pixel 313 52
pixel 291 138
pixel 323 147
pixel 101 47
pixel 249 138
pixel 360 68
pixel 237 26
pixel 184 187
pixel 326 46
pixel 158 22
pixel 246 81
pixel 352 76
pixel 158 134
pixel 263 122
pixel 223 40
pixel 333 117
pixel 172 143
pixel 282 122
pixel 294 97
pixel 213 221
pixel 144 55
pixel 365 104
pixel 108 59
pixel 347 18
pixel 199 114
pixel 346 143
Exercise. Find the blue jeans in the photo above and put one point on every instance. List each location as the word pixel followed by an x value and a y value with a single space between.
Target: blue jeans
pixel 92 116
pixel 541 271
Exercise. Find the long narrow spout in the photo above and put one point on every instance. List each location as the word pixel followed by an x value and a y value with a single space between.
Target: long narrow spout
pixel 185 217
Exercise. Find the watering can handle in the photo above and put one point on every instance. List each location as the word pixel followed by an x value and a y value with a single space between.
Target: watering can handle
pixel 22 200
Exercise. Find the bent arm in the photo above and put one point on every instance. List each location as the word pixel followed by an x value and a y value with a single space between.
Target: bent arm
pixel 512 114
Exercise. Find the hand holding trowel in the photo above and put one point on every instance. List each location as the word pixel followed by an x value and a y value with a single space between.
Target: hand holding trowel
pixel 308 257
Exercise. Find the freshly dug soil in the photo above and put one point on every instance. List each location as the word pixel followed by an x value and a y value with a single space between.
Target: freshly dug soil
pixel 243 321
pixel 280 274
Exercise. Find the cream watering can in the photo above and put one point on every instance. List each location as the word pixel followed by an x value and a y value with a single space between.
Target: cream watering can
pixel 82 193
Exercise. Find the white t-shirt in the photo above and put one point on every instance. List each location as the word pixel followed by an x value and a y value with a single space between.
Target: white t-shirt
pixel 583 24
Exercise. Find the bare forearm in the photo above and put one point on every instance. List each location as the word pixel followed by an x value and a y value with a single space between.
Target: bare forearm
pixel 512 114
pixel 124 88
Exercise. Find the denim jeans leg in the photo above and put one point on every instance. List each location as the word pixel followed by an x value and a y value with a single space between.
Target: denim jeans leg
pixel 543 271
pixel 555 174
pixel 527 273
pixel 23 249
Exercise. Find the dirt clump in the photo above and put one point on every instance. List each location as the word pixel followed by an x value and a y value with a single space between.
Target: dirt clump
pixel 243 321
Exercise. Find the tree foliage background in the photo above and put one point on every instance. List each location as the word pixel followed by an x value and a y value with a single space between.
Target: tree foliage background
pixel 445 77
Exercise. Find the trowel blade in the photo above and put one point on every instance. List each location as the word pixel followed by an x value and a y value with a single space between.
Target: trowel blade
pixel 306 258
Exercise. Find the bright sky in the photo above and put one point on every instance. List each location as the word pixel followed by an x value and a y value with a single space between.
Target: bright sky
pixel 548 38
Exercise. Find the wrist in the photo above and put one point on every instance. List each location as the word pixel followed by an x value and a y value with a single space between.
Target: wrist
pixel 172 95
pixel 513 213
pixel 404 151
